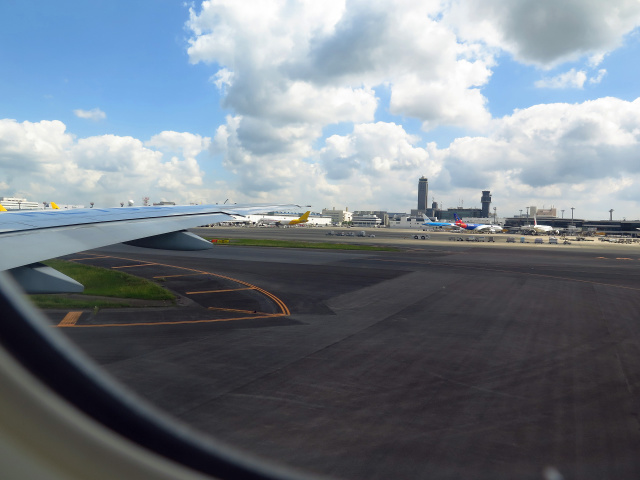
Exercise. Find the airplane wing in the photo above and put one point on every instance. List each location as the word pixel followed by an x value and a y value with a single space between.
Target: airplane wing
pixel 27 237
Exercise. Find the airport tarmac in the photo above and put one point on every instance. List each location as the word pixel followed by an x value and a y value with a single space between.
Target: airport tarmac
pixel 443 360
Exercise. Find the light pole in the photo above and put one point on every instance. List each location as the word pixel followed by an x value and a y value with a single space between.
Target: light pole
pixel 562 213
pixel 527 215
pixel 572 215
pixel 495 215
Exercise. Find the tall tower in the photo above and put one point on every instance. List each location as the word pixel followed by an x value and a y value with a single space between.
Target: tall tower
pixel 423 193
pixel 486 203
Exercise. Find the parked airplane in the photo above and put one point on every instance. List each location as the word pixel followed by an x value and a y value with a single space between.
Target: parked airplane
pixel 278 222
pixel 430 223
pixel 535 228
pixel 478 227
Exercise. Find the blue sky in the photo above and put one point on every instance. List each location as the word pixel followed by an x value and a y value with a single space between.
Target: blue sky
pixel 340 104
pixel 129 59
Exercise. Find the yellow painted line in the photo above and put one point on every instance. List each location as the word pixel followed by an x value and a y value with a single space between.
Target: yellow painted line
pixel 220 291
pixel 70 319
pixel 135 266
pixel 623 258
pixel 89 258
pixel 179 322
pixel 283 307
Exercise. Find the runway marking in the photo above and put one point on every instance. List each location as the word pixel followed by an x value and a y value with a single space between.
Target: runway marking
pixel 70 319
pixel 88 258
pixel 219 291
pixel 135 266
pixel 178 275
pixel 284 310
pixel 180 322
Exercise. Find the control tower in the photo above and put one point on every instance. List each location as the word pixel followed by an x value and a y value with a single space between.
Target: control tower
pixel 486 203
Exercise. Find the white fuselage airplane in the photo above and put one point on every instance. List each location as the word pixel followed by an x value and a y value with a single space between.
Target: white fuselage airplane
pixel 477 227
pixel 543 229
pixel 279 221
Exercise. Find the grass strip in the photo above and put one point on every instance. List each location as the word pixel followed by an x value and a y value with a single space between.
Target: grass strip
pixel 250 242
pixel 101 282
pixel 60 301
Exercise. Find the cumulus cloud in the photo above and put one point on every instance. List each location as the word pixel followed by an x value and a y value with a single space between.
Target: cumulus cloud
pixel 94 114
pixel 289 69
pixel 571 79
pixel 551 152
pixel 546 32
pixel 37 158
pixel 598 78
pixel 326 57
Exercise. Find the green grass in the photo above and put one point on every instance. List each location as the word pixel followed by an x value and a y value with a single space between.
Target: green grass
pixel 292 244
pixel 62 302
pixel 110 283
pixel 104 283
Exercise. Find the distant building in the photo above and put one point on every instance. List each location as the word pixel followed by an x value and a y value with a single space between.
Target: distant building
pixel 423 194
pixel 546 212
pixel 366 220
pixel 406 221
pixel 382 215
pixel 338 216
pixel 464 213
pixel 15 203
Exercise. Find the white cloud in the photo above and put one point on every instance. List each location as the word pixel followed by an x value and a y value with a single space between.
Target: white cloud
pixel 94 114
pixel 552 154
pixel 571 79
pixel 546 32
pixel 317 63
pixel 598 78
pixel 41 158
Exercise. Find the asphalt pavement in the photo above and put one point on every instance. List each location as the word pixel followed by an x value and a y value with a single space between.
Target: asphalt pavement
pixel 444 360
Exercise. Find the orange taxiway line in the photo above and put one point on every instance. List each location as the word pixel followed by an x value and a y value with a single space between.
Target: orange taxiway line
pixel 89 258
pixel 134 266
pixel 179 322
pixel 280 303
pixel 70 319
pixel 219 291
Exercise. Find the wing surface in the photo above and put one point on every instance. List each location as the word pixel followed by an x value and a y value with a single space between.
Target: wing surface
pixel 27 237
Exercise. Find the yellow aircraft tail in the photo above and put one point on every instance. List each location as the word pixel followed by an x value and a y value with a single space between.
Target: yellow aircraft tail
pixel 54 206
pixel 304 218
pixel 2 209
